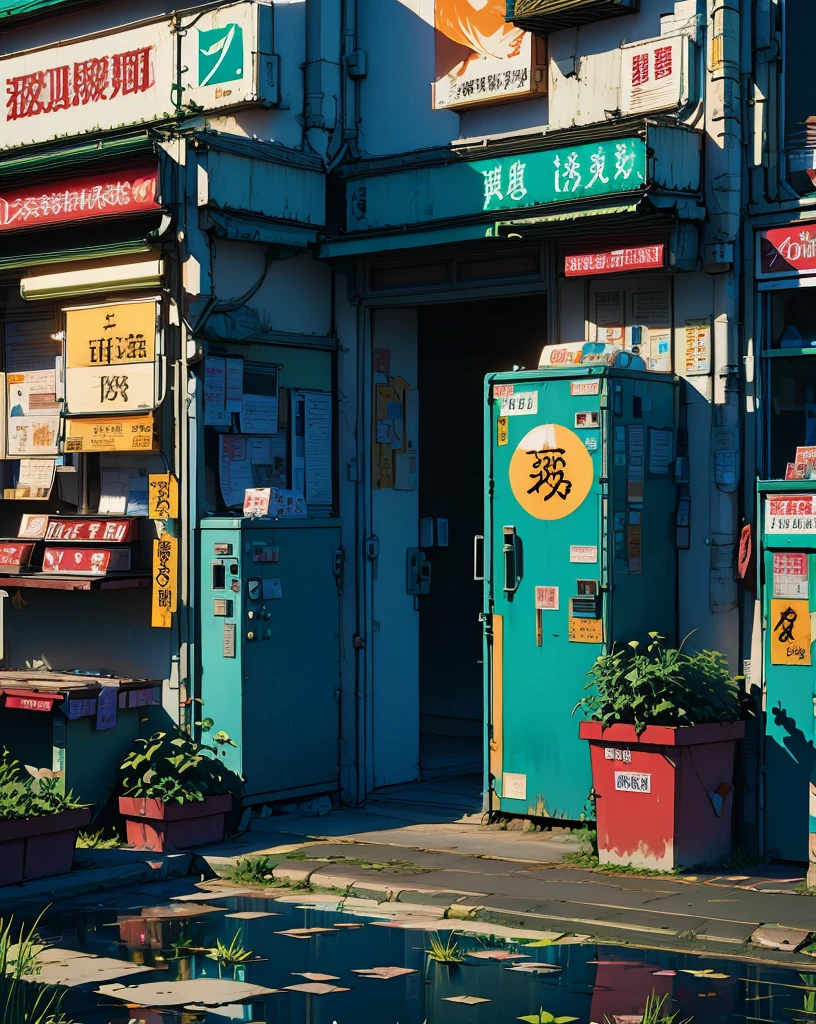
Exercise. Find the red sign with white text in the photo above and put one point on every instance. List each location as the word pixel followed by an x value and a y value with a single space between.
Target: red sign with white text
pixel 35 702
pixel 100 195
pixel 92 561
pixel 790 250
pixel 638 257
pixel 109 531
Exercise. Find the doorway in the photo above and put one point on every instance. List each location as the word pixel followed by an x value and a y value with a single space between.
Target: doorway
pixel 457 345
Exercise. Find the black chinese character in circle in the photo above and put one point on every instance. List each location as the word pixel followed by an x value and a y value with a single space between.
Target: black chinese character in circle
pixel 549 467
pixel 787 620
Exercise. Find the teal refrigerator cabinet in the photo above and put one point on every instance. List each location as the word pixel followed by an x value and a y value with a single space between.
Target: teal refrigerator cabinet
pixel 579 552
pixel 270 634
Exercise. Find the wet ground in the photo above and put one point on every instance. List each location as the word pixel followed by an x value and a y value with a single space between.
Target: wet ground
pixel 499 979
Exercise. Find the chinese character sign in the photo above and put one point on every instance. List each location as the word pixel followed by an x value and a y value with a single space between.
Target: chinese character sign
pixel 652 74
pixel 111 434
pixel 163 497
pixel 788 632
pixel 613 261
pixel 165 580
pixel 551 472
pixel 480 57
pixel 110 357
pixel 559 175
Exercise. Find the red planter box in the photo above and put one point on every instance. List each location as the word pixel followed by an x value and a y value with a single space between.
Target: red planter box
pixel 664 799
pixel 39 847
pixel 153 825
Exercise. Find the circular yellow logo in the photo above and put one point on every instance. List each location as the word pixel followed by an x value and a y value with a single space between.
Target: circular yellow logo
pixel 551 472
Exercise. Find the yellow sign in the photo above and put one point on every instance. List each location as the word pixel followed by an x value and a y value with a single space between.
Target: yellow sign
pixel 789 632
pixel 551 472
pixel 502 431
pixel 164 496
pixel 111 434
pixel 585 631
pixel 117 334
pixel 165 581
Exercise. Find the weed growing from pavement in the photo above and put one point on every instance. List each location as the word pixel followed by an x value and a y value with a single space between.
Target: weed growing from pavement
pixel 446 952
pixel 587 857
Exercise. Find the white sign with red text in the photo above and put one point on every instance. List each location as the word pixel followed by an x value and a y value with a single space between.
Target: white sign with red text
pixel 133 76
pixel 654 74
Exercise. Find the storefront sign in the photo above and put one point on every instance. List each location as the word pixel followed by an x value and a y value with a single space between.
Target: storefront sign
pixel 98 195
pixel 788 250
pixel 110 357
pixel 112 434
pixel 86 561
pixel 788 632
pixel 131 76
pixel 163 497
pixel 108 531
pixel 785 514
pixel 654 75
pixel 165 581
pixel 40 702
pixel 501 184
pixel 480 57
pixel 568 354
pixel 613 261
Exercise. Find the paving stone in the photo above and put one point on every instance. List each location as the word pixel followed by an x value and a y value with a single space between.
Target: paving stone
pixel 734 932
pixel 776 937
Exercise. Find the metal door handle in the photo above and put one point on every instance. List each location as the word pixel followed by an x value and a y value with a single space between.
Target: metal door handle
pixel 511 549
pixel 476 543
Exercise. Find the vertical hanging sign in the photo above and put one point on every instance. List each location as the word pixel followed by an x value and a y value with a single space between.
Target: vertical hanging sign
pixel 165 581
pixel 164 496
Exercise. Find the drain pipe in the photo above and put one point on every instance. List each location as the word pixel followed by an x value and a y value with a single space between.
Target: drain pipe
pixel 722 260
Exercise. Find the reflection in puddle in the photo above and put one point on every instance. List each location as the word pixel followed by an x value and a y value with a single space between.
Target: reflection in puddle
pixel 312 960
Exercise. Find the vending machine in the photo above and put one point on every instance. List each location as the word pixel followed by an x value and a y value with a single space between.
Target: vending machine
pixel 270 642
pixel 788 570
pixel 581 528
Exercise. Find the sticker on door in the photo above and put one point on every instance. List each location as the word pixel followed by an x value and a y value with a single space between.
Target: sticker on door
pixel 551 472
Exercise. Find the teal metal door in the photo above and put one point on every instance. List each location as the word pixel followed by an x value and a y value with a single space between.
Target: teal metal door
pixel 545 603
pixel 788 595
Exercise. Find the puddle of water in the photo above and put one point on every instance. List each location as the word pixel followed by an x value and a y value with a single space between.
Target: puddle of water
pixel 588 982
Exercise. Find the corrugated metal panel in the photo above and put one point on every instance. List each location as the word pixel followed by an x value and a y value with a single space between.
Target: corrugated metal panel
pixel 675 163
pixel 244 228
pixel 32 8
pixel 270 189
pixel 552 15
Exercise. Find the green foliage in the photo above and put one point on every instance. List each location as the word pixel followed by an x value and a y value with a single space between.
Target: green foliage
pixel 446 952
pixel 35 796
pixel 97 841
pixel 233 955
pixel 656 1012
pixel 545 1017
pixel 22 1000
pixel 661 686
pixel 587 855
pixel 172 767
pixel 254 871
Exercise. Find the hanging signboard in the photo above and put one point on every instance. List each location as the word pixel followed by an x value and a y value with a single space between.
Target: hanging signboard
pixel 788 632
pixel 86 561
pixel 131 76
pixel 86 198
pixel 111 355
pixel 480 57
pixel 613 261
pixel 165 581
pixel 163 497
pixel 85 530
pixel 112 434
pixel 654 75
pixel 787 251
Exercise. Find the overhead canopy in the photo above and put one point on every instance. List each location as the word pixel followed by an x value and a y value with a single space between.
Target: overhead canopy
pixel 26 8
pixel 552 15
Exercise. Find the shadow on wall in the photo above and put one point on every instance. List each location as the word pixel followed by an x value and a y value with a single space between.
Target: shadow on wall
pixel 788 804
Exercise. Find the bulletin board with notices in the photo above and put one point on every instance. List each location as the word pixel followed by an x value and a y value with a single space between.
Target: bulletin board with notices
pixel 262 435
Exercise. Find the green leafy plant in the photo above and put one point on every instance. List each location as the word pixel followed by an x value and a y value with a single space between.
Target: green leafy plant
pixel 446 952
pixel 545 1017
pixel 23 1000
pixel 97 841
pixel 233 955
pixel 255 871
pixel 660 686
pixel 172 767
pixel 35 796
pixel 656 1011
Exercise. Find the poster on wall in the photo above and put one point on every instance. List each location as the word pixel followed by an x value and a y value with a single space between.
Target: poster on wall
pixel 33 423
pixel 479 57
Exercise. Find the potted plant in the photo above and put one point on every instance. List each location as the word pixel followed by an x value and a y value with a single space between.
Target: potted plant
pixel 38 823
pixel 176 793
pixel 662 729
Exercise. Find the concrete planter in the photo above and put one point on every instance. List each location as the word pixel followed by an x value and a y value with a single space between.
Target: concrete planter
pixel 39 847
pixel 153 825
pixel 664 799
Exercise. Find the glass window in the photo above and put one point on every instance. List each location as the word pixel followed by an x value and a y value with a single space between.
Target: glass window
pixel 793 318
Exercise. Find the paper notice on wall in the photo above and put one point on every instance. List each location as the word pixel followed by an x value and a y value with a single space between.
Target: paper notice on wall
pixel 234 385
pixel 661 450
pixel 33 413
pixel 123 490
pixel 651 309
pixel 317 435
pixel 608 308
pixel 215 392
pixel 406 471
pixel 235 469
pixel 38 476
pixel 698 347
pixel 636 471
pixel 657 349
pixel 268 458
pixel 790 574
pixel 259 414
